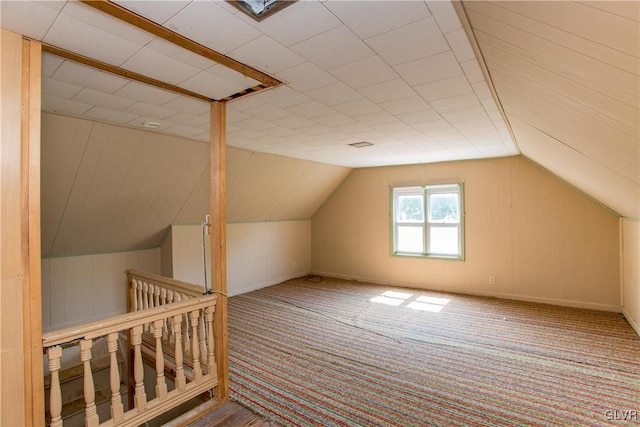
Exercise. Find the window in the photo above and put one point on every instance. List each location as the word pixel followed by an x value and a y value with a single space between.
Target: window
pixel 428 221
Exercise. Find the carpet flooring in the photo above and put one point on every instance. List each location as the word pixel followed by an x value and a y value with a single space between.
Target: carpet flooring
pixel 341 353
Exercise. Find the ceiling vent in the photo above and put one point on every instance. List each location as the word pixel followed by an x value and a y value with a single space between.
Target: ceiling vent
pixel 361 144
pixel 260 9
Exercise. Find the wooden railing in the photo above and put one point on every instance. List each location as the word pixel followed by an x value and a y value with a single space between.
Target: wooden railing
pixel 176 324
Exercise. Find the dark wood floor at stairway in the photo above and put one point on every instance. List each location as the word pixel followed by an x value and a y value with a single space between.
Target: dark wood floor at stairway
pixel 232 414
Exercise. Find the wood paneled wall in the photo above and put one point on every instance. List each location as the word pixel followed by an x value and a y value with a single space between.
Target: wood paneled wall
pixel 85 288
pixel 542 239
pixel 259 254
pixel 631 271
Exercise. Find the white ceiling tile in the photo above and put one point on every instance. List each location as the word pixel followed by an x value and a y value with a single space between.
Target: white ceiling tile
pixel 468 114
pixel 337 93
pixel 204 137
pixel 282 96
pixel 267 55
pixel 142 109
pixel 94 97
pixel 437 67
pixel 472 71
pixel 27 18
pixel 480 125
pixel 352 128
pixel 444 88
pixel 50 63
pixel 81 37
pixel 314 130
pixel 357 108
pixel 232 75
pixel 306 76
pixel 406 105
pixel 495 115
pixel 335 119
pixel 378 118
pixel 156 11
pixel 293 122
pixel 394 127
pixel 279 131
pixel 211 85
pixel 460 45
pixel 455 103
pixel 311 109
pixel 108 24
pixel 267 112
pixel 295 23
pixel 154 64
pixel 334 48
pixel 146 93
pixel 365 72
pixel 445 15
pixel 481 89
pixel 66 106
pixel 421 116
pixel 82 75
pixel 489 104
pixel 107 115
pixel 59 89
pixel 241 104
pixel 369 18
pixel 234 116
pixel 179 54
pixel 188 120
pixel 418 40
pixel 208 24
pixel 387 91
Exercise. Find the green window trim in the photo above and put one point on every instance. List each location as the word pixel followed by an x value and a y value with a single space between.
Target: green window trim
pixel 428 221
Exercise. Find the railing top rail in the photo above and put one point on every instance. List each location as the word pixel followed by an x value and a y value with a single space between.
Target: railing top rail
pixel 185 287
pixel 125 321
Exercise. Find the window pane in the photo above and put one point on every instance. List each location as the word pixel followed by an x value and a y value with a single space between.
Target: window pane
pixel 443 240
pixel 444 207
pixel 410 208
pixel 410 239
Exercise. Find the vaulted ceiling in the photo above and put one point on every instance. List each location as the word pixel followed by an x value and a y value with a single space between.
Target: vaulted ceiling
pixel 424 81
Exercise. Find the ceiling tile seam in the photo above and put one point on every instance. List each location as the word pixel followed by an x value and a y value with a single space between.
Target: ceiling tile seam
pixel 613 171
pixel 537 36
pixel 470 32
pixel 622 127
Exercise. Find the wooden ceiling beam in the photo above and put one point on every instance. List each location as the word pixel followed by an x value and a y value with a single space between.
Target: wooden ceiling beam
pixel 157 30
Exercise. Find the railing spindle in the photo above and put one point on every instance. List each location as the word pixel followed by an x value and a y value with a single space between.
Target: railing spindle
pixel 181 381
pixel 134 287
pixel 55 398
pixel 211 357
pixel 91 415
pixel 161 385
pixel 195 353
pixel 140 399
pixel 117 410
pixel 203 339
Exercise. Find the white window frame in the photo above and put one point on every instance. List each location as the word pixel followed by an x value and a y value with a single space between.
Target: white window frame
pixel 426 224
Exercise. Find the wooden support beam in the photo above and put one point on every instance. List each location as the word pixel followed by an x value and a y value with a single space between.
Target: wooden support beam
pixel 219 243
pixel 157 30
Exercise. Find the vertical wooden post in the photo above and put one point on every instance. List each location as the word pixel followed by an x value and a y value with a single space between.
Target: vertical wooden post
pixel 218 220
pixel 21 370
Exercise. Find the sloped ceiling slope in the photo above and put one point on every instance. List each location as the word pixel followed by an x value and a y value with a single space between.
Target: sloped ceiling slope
pixel 567 76
pixel 110 188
